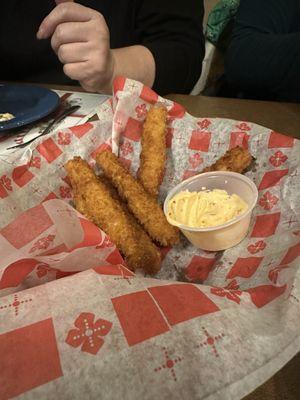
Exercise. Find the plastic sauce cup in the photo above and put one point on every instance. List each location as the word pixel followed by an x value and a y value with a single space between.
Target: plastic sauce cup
pixel 223 236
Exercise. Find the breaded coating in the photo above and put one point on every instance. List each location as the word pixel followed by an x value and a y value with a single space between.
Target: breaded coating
pixel 94 199
pixel 153 153
pixel 234 160
pixel 140 203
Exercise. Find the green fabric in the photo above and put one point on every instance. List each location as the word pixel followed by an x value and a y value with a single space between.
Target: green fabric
pixel 220 18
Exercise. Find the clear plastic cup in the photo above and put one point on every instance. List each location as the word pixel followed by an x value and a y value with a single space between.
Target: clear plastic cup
pixel 223 236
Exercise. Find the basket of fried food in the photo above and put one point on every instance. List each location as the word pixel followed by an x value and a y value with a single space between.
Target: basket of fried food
pixel 126 207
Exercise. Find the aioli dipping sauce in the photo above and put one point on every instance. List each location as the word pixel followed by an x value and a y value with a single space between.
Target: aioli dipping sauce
pixel 205 208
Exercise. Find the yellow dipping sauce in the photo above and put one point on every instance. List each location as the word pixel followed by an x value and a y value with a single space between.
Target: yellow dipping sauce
pixel 205 209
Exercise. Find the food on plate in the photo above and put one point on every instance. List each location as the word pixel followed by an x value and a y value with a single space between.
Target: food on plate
pixel 94 198
pixel 236 159
pixel 206 208
pixel 6 117
pixel 153 153
pixel 142 205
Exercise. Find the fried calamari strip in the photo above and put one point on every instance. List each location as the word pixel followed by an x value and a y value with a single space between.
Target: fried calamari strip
pixel 94 199
pixel 140 203
pixel 153 153
pixel 234 160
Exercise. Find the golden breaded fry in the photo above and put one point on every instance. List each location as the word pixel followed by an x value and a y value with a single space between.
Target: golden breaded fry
pixel 94 200
pixel 140 203
pixel 153 153
pixel 234 160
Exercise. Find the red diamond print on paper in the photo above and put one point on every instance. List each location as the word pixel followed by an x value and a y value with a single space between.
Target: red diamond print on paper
pixel 244 267
pixel 141 110
pixel 169 364
pixel 35 162
pixel 102 147
pixel 195 160
pixel 126 148
pixel 240 139
pixel 271 178
pixel 182 302
pixel 119 83
pixel 65 192
pixel 243 126
pixel 169 137
pixel 6 182
pixel 133 129
pixel 125 162
pixel 64 138
pixel 92 234
pixel 188 174
pixel 204 123
pixel 200 140
pixel 21 175
pixel 274 273
pixel 265 225
pixel 3 192
pixel 42 243
pixel 233 295
pixel 139 317
pixel 279 140
pixel 29 358
pixel 256 247
pixel 88 333
pixel 119 270
pixel 16 272
pixel 49 150
pixel 264 294
pixel 199 268
pixel 291 255
pixel 148 95
pixel 268 201
pixel 211 342
pixel 278 158
pixel 17 232
pixel 176 111
pixel 115 258
pixel 50 196
pixel 164 251
pixel 233 285
pixel 15 305
pixel 81 130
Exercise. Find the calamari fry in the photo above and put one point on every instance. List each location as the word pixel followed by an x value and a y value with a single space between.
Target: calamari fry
pixel 153 153
pixel 234 160
pixel 140 203
pixel 97 201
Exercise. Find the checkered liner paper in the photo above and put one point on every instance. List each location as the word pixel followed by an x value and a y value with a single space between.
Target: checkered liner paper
pixel 208 326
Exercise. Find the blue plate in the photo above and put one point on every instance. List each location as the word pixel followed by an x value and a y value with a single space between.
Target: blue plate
pixel 27 103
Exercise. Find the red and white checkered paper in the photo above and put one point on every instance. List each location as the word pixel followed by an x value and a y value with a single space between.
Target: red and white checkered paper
pixel 213 326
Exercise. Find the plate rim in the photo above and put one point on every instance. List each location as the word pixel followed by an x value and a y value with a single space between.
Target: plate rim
pixel 5 126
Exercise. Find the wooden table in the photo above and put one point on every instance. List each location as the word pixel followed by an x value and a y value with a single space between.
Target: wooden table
pixel 284 118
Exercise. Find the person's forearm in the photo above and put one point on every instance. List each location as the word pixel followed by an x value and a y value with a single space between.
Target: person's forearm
pixel 135 62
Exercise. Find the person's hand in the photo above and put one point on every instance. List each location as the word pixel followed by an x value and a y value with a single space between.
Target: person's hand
pixel 80 38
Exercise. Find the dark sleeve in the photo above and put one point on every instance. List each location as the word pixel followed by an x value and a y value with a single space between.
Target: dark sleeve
pixel 173 32
pixel 264 52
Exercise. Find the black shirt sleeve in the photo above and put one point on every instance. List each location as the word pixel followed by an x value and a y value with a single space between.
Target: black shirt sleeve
pixel 264 53
pixel 173 32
